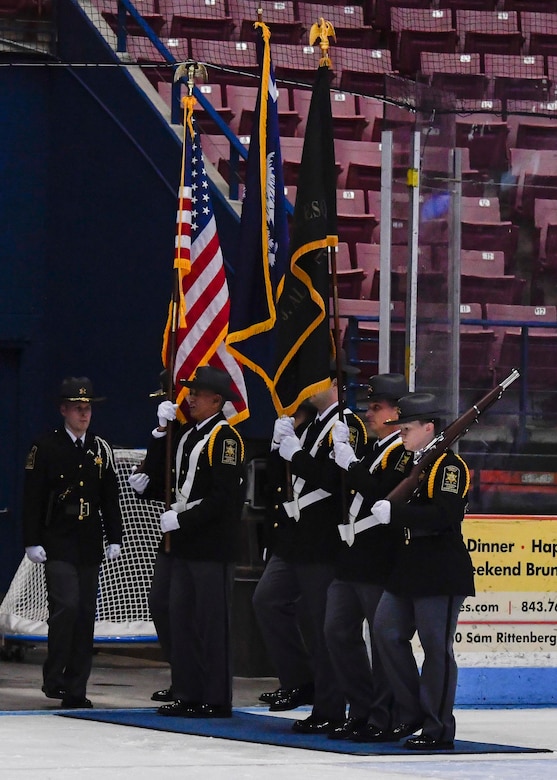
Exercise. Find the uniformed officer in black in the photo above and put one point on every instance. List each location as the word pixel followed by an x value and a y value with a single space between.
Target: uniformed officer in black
pixel 365 563
pixel 306 544
pixel 70 504
pixel 191 593
pixel 431 577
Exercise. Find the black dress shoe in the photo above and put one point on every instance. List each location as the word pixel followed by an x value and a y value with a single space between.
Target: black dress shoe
pixel 313 725
pixel 424 742
pixel 164 695
pixel 188 709
pixel 178 707
pixel 76 703
pixel 53 693
pixel 292 698
pixel 347 729
pixel 372 733
pixel 269 696
pixel 404 730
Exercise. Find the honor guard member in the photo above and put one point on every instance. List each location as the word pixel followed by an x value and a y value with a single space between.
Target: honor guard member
pixel 431 577
pixel 70 501
pixel 191 592
pixel 306 544
pixel 365 562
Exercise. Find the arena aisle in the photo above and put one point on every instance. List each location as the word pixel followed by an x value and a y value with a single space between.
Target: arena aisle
pixel 37 742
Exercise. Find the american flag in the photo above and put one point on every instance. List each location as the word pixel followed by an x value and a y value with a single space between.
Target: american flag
pixel 204 305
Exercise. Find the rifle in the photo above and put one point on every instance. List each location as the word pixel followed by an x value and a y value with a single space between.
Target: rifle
pixel 409 485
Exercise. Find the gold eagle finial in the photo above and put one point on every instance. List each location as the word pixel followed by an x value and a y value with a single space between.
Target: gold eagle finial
pixel 322 30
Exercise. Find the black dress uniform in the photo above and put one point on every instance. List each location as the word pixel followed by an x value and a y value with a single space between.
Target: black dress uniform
pixel 365 563
pixel 305 545
pixel 432 576
pixel 70 499
pixel 191 593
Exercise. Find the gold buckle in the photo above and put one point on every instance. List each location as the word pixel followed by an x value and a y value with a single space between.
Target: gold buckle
pixel 83 509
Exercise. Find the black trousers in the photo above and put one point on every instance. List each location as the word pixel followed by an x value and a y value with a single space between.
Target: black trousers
pixel 285 591
pixel 364 684
pixel 191 605
pixel 428 696
pixel 72 599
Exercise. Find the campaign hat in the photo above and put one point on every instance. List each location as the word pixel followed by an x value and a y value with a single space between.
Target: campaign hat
pixel 210 378
pixel 387 387
pixel 417 406
pixel 78 388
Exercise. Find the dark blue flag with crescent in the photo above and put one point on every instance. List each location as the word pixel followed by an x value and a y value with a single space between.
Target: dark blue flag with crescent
pixel 263 247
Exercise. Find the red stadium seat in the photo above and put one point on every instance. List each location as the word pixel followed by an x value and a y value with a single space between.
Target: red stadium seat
pixel 282 20
pixel 484 134
pixel 347 123
pixel 495 32
pixel 383 9
pixel 354 224
pixel 361 156
pixel 454 72
pixel 155 20
pixel 535 172
pixel 241 101
pixel 197 19
pixel 540 32
pixel 227 62
pixel 490 236
pixel 481 209
pixel 491 289
pixel 517 77
pixel 362 70
pixel 418 30
pixel 476 262
pixel 298 64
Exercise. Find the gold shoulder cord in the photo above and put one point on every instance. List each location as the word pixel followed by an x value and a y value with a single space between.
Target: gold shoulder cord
pixel 435 469
pixel 213 437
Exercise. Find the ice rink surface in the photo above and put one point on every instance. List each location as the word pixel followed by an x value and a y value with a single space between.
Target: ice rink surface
pixel 36 742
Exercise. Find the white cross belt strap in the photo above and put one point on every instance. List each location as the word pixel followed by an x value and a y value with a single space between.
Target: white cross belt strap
pixel 299 502
pixel 183 492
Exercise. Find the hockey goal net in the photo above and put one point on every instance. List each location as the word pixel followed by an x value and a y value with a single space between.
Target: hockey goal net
pixel 122 607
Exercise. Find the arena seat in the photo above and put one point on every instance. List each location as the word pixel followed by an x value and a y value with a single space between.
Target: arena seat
pixel 535 172
pixel 454 72
pixel 543 344
pixel 298 63
pixel 349 278
pixel 383 9
pixel 227 62
pixel 490 236
pixel 241 101
pixel 347 123
pixel 150 15
pixel 366 348
pixel 360 162
pixel 477 262
pixel 197 19
pixel 517 77
pixel 418 30
pixel 540 32
pixel 353 222
pixel 480 209
pixel 492 289
pixel 281 18
pixel 362 70
pixel 494 32
pixel 484 134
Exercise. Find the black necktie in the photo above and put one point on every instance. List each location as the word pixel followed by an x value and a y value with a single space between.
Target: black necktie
pixel 79 444
pixel 313 431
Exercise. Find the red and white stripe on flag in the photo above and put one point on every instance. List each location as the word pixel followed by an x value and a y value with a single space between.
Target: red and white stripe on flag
pixel 201 331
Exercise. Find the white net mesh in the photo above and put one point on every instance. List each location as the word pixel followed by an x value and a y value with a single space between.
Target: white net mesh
pixel 122 608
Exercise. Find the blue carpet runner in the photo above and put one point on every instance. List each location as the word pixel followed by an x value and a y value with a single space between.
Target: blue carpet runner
pixel 270 730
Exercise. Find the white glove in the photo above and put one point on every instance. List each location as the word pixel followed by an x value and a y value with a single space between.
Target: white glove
pixel 169 521
pixel 290 445
pixel 381 510
pixel 138 481
pixel 166 412
pixel 112 552
pixel 284 426
pixel 344 454
pixel 341 433
pixel 36 553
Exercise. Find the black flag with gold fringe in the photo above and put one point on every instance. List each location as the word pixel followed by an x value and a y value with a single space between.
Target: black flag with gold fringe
pixel 303 331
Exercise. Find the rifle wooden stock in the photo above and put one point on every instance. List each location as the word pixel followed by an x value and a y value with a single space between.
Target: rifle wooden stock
pixel 405 489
